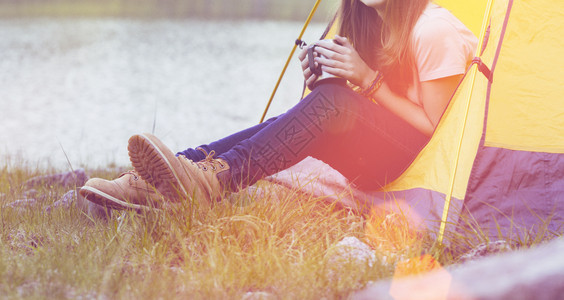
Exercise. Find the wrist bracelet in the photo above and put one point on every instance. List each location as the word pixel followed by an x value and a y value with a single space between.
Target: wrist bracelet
pixel 374 86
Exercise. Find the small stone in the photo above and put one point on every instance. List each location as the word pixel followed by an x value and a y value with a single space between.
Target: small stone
pixel 258 296
pixel 350 251
pixel 21 240
pixel 485 249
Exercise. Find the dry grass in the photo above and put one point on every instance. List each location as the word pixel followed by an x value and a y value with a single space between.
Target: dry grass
pixel 277 244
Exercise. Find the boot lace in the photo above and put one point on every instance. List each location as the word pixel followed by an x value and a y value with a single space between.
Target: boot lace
pixel 132 172
pixel 209 162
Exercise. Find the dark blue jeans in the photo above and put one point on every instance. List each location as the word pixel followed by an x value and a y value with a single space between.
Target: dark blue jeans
pixel 363 141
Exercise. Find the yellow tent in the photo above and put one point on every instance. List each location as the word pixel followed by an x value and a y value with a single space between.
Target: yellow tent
pixel 497 155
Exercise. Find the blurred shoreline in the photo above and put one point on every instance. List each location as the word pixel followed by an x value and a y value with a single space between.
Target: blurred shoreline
pixel 170 9
pixel 72 91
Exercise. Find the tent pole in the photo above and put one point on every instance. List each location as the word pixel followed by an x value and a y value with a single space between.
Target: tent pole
pixel 448 197
pixel 308 20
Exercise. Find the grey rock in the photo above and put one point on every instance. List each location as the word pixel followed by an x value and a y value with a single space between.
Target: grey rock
pixel 30 199
pixel 536 273
pixel 65 202
pixel 23 203
pixel 71 179
pixel 39 197
pixel 31 193
pixel 73 197
pixel 484 250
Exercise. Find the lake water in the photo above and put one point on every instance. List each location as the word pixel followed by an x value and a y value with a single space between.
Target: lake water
pixel 78 89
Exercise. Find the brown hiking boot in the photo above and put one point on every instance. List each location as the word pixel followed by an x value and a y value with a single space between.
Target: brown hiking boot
pixel 128 191
pixel 173 176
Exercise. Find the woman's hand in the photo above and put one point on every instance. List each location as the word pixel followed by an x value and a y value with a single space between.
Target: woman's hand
pixel 309 77
pixel 342 60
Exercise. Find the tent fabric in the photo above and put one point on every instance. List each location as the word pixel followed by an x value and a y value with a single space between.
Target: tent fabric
pixel 497 152
pixel 517 180
pixel 514 194
pixel 525 108
pixel 314 177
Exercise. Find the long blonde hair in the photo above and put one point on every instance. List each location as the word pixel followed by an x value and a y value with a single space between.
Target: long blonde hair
pixel 385 46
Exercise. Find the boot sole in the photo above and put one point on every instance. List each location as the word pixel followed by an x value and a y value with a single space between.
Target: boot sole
pixel 94 195
pixel 157 165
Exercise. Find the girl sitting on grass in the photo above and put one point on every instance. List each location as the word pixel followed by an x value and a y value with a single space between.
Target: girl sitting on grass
pixel 401 61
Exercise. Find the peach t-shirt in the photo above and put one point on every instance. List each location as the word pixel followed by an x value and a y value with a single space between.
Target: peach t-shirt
pixel 443 47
